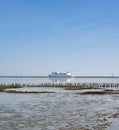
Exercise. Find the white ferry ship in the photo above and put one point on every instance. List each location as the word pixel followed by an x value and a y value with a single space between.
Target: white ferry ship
pixel 60 75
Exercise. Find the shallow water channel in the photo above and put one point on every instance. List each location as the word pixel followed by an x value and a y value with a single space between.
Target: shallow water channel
pixel 62 110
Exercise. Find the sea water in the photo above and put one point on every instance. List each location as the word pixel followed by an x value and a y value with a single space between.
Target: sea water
pixel 57 80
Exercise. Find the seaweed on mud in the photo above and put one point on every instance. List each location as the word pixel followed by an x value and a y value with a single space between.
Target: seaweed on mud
pixel 27 92
pixel 101 92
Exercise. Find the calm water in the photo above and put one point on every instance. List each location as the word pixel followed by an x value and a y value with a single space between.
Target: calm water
pixel 62 110
pixel 47 80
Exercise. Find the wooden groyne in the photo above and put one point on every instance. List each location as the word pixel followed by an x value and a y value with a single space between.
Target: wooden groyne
pixel 67 86
pixel 77 85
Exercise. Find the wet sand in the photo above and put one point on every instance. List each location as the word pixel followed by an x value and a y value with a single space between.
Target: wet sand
pixel 61 110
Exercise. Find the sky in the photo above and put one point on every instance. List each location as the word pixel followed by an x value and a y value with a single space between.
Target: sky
pixel 41 36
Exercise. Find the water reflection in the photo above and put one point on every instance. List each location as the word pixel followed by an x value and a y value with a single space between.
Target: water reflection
pixel 61 80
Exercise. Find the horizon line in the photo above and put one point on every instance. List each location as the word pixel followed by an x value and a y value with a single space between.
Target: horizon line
pixel 34 76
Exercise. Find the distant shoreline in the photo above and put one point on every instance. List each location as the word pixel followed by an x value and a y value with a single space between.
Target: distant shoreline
pixel 54 78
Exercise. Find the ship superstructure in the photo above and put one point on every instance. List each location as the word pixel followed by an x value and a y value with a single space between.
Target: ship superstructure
pixel 60 75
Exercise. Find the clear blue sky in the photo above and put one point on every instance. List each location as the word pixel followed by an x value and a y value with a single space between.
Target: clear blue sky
pixel 41 36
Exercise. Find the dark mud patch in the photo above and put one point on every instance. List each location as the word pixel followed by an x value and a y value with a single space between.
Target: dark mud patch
pixel 27 92
pixel 3 88
pixel 101 92
pixel 116 115
pixel 79 88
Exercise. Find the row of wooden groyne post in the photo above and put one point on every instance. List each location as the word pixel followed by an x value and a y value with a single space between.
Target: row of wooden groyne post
pixel 67 85
pixel 77 85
